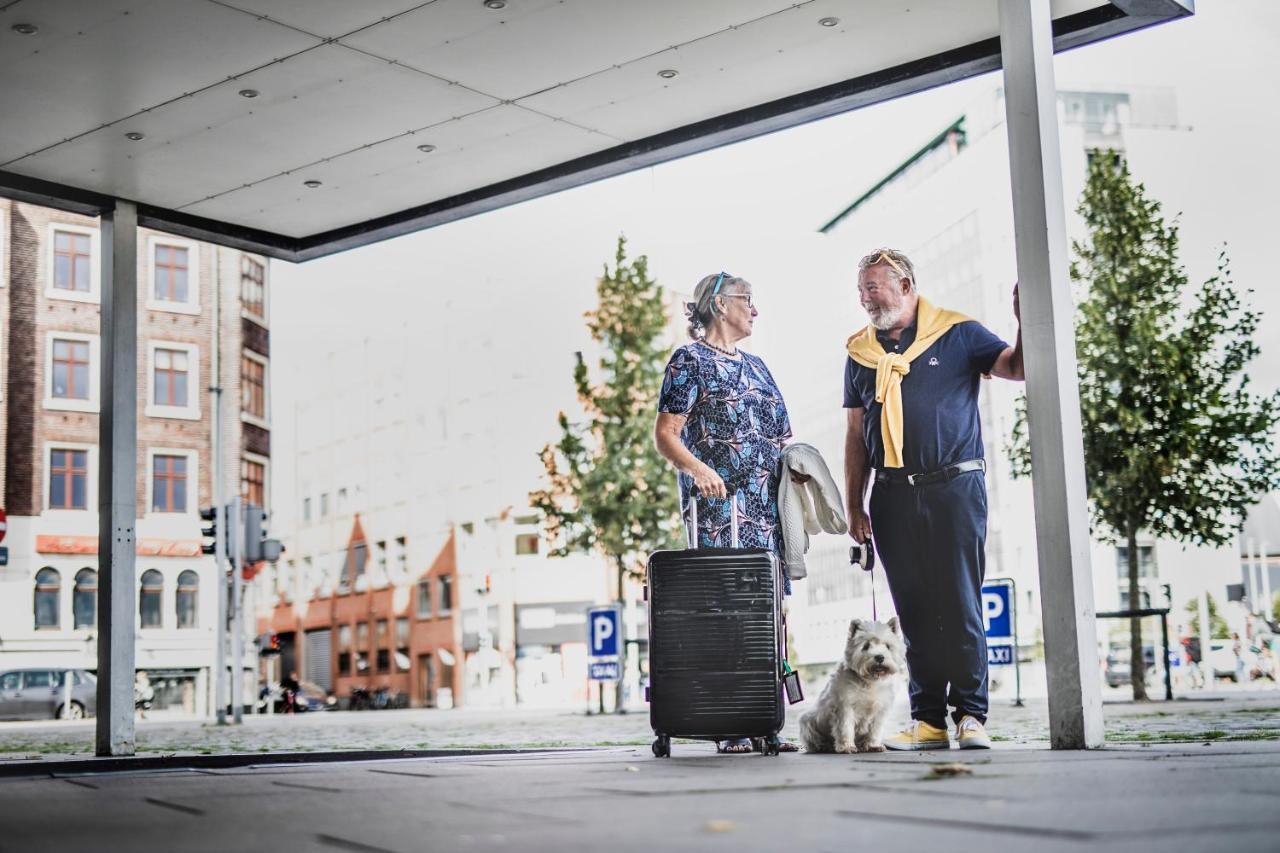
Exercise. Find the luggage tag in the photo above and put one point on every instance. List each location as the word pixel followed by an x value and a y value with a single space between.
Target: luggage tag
pixel 791 682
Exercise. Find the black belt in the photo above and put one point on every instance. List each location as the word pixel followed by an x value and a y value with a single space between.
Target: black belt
pixel 944 475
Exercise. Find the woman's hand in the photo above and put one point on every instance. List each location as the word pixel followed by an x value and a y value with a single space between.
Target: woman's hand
pixel 708 482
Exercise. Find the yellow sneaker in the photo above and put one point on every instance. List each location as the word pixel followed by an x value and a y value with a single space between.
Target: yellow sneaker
pixel 919 735
pixel 971 735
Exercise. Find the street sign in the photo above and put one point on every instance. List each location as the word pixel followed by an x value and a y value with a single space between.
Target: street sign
pixel 608 670
pixel 999 654
pixel 604 630
pixel 4 524
pixel 996 610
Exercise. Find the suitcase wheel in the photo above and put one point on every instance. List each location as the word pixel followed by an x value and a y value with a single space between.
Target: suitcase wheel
pixel 771 745
pixel 662 746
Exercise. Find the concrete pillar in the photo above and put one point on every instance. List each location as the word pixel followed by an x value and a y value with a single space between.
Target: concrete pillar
pixel 117 479
pixel 1053 397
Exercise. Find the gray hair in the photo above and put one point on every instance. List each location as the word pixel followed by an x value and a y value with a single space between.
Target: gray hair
pixel 897 262
pixel 702 309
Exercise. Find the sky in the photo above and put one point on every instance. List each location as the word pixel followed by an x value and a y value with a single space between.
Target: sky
pixel 506 290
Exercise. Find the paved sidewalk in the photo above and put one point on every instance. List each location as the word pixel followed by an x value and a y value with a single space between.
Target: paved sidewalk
pixel 1170 798
pixel 1227 716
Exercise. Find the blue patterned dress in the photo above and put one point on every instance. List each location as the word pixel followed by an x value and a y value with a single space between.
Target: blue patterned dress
pixel 736 423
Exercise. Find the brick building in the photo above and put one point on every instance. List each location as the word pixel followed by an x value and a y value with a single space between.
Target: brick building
pixel 376 625
pixel 202 322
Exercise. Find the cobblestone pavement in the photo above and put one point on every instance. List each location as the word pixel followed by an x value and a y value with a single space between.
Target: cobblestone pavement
pixel 1208 717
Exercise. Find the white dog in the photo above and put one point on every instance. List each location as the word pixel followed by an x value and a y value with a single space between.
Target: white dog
pixel 852 708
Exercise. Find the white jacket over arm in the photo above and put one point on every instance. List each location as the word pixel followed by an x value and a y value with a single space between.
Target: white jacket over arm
pixel 808 508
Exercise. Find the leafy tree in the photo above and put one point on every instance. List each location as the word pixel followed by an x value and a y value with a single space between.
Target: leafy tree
pixel 1218 627
pixel 608 489
pixel 1175 442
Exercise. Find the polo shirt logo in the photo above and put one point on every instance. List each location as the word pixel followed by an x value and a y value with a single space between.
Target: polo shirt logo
pixel 933 362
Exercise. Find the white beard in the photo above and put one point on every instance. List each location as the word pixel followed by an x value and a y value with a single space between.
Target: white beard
pixel 885 318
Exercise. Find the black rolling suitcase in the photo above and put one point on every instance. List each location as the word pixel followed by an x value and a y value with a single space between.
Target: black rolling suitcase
pixel 715 644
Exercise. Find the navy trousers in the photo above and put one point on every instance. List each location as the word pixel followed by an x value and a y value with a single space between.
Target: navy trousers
pixel 931 541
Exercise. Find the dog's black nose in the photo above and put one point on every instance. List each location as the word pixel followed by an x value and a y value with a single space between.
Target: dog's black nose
pixel 879 658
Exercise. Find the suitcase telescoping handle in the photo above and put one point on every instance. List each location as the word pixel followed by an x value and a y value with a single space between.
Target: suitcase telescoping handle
pixel 691 531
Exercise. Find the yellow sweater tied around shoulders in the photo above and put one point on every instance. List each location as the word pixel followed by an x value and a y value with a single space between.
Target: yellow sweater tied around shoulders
pixel 932 323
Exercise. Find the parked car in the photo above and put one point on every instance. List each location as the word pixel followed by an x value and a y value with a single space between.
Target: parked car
pixel 1118 665
pixel 34 694
pixel 1222 658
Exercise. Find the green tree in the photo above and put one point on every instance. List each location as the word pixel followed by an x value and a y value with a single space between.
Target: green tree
pixel 607 488
pixel 1218 627
pixel 1175 443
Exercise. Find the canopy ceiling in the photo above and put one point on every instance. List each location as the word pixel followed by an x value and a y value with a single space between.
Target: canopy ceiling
pixel 411 114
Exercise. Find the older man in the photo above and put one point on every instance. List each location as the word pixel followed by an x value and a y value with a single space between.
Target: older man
pixel 911 392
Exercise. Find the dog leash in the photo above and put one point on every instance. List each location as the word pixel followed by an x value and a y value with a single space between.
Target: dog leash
pixel 864 557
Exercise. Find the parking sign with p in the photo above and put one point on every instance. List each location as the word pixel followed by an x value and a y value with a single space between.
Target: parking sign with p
pixel 603 629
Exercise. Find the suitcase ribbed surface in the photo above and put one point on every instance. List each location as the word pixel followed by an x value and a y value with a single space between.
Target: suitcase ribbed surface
pixel 713 636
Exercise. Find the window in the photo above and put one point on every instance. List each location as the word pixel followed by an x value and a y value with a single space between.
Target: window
pixel 171 375
pixel 38 678
pixel 306 509
pixel 446 593
pixel 171 268
pixel 526 543
pixel 380 548
pixel 424 598
pixel 174 381
pixel 253 481
pixel 362 646
pixel 188 599
pixel 48 603
pixel 1146 574
pixel 324 505
pixel 169 483
pixel 11 681
pixel 357 559
pixel 149 598
pixel 68 479
pixel 344 650
pixel 72 261
pixel 384 654
pixel 253 387
pixel 84 600
pixel 402 644
pixel 342 501
pixel 402 556
pixel 252 287
pixel 70 369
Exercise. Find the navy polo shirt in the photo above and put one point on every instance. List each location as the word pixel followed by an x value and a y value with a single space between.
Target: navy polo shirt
pixel 940 423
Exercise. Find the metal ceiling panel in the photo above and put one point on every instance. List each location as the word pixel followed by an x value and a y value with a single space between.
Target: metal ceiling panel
pixel 502 142
pixel 91 64
pixel 328 18
pixel 217 141
pixel 535 97
pixel 544 43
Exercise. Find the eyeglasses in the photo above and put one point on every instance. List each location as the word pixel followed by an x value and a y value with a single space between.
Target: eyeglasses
pixel 746 296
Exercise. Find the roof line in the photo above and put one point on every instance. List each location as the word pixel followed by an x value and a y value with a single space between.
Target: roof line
pixel 956 126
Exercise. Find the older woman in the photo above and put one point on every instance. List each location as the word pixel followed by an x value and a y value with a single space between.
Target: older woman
pixel 722 424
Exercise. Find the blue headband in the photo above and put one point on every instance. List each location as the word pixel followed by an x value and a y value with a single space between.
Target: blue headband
pixel 716 289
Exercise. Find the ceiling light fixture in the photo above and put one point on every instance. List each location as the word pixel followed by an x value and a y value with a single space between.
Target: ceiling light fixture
pixel 312 184
pixel 248 93
pixel 426 149
pixel 134 136
pixel 828 22
pixel 668 73
pixel 495 5
pixel 25 29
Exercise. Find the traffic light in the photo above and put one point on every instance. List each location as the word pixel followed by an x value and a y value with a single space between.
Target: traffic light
pixel 256 546
pixel 209 514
